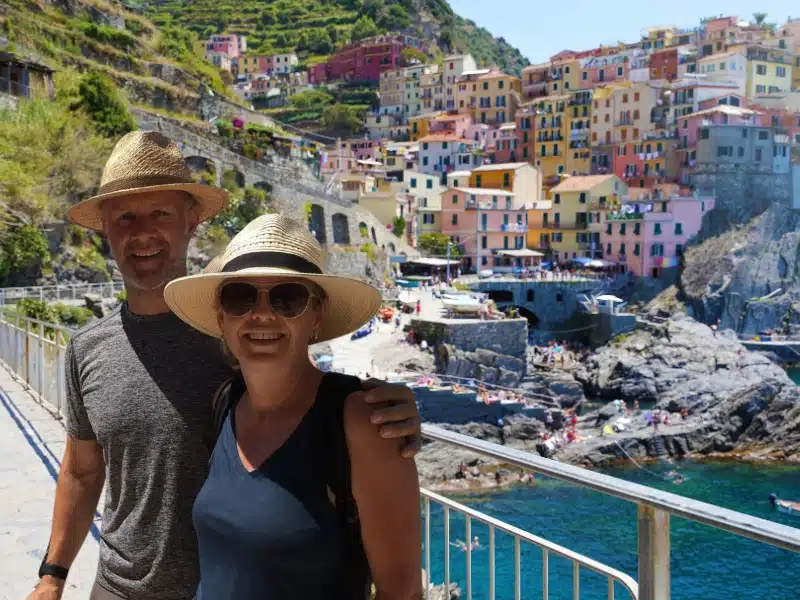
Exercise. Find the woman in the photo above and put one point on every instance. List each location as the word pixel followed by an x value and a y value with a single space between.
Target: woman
pixel 267 520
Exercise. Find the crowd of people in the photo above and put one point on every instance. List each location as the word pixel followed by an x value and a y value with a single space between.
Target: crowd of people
pixel 563 354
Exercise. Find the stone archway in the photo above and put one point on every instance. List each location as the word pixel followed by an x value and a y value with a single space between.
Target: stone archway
pixel 533 320
pixel 204 170
pixel 318 223
pixel 241 181
pixel 341 229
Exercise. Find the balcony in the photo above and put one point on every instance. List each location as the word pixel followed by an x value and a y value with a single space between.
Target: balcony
pixel 623 122
pixel 633 216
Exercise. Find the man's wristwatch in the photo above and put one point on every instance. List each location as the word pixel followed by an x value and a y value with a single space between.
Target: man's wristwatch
pixel 52 570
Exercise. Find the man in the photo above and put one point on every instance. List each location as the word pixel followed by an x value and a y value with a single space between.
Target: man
pixel 139 390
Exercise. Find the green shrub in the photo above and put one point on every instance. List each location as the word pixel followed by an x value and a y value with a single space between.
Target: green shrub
pixel 102 102
pixel 21 247
pixel 121 295
pixel 37 309
pixel 72 316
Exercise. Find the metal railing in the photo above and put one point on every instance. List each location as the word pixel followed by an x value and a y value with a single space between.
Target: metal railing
pixel 35 351
pixel 653 520
pixel 50 293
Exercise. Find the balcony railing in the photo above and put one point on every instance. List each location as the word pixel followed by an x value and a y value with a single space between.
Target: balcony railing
pixel 564 226
pixel 35 350
pixel 623 122
pixel 51 293
pixel 624 216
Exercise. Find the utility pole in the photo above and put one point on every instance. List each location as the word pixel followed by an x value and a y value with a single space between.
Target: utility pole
pixel 448 262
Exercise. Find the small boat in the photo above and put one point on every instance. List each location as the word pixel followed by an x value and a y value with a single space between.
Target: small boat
pixel 785 506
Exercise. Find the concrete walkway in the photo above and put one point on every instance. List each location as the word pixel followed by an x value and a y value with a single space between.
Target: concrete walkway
pixel 31 445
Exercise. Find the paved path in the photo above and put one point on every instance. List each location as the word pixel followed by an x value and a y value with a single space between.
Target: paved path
pixel 31 446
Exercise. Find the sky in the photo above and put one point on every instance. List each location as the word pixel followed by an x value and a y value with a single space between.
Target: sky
pixel 541 28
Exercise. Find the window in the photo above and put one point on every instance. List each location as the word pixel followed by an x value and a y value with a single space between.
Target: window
pixel 505 242
pixel 485 85
pixel 678 229
pixel 454 220
pixel 761 69
pixel 703 135
pixel 608 229
pixel 582 198
pixel 429 184
pixel 637 250
pixel 413 182
pixel 741 151
pixel 477 181
pixel 657 229
pixel 678 249
pixel 763 135
pixel 444 145
pixel 494 201
pixel 758 154
pixel 557 199
pixel 556 218
pixel 505 219
pixel 506 179
pixel 500 84
pixel 624 98
pixel 622 228
pixel 424 161
pixel 483 242
pixel 724 151
pixel 607 118
pixel 780 71
pixel 424 145
pixel 608 249
pixel 455 198
pixel 761 89
pixel 584 76
pixel 636 114
pixel 508 203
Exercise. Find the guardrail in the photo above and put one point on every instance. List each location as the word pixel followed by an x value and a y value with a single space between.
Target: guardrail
pixel 35 351
pixel 60 292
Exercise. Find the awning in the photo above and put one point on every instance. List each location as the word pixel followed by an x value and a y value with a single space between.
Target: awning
pixel 521 253
pixel 609 298
pixel 432 262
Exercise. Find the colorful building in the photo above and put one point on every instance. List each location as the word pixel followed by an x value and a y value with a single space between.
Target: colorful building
pixel 550 136
pixel 521 178
pixel 647 234
pixel 535 79
pixel 769 70
pixel 432 89
pixel 453 69
pixel 367 59
pixel 232 45
pixel 571 227
pixel 607 67
pixel 623 112
pixel 504 146
pixel 466 91
pixel 565 73
pixel 726 67
pixel 444 152
pixel 485 223
pixel 578 127
pixel 497 96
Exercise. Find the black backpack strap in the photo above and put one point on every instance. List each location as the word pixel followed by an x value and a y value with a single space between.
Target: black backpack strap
pixel 333 391
pixel 227 395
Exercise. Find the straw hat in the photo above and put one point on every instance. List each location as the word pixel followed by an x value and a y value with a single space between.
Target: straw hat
pixel 146 161
pixel 273 246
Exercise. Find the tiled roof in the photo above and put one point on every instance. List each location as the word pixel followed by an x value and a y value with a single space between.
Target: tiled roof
pixel 443 137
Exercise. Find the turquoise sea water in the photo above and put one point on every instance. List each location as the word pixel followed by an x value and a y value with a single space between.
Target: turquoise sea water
pixel 795 375
pixel 707 564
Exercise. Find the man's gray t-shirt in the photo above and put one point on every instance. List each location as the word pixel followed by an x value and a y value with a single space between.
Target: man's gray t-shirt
pixel 143 387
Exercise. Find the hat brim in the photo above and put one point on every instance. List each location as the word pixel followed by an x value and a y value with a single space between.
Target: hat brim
pixel 210 201
pixel 351 303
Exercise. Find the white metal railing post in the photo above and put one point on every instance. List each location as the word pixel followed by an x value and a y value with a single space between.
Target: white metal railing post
pixel 654 573
pixel 40 360
pixel 447 549
pixel 427 547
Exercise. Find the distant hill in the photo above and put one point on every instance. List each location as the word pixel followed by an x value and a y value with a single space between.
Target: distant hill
pixel 315 28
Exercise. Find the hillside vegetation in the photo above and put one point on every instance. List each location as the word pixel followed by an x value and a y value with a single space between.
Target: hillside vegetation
pixel 315 28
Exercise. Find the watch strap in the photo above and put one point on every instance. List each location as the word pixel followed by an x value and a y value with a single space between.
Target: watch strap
pixel 53 571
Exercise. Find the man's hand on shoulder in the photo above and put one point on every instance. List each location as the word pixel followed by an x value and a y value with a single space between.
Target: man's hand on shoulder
pixel 396 413
pixel 48 588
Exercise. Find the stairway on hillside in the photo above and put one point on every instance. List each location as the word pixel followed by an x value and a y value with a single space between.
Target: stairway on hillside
pixel 659 447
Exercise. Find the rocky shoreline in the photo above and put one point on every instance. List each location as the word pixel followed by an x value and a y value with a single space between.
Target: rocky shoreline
pixel 722 401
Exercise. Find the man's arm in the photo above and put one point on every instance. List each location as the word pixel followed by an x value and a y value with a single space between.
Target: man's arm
pixel 80 482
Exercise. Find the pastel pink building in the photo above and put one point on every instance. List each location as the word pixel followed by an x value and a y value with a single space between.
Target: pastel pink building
pixel 504 149
pixel 232 45
pixel 457 125
pixel 605 69
pixel 486 224
pixel 649 234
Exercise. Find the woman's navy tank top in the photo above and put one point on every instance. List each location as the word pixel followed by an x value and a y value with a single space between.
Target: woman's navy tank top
pixel 272 533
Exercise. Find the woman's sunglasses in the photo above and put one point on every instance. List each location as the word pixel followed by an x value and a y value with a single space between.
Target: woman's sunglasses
pixel 287 300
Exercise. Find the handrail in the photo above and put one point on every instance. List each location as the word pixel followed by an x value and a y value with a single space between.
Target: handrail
pixel 732 521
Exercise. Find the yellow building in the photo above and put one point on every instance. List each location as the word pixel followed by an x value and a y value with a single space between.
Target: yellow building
pixel 550 137
pixel 419 126
pixel 622 112
pixel 579 124
pixel 497 96
pixel 565 73
pixel 521 178
pixel 769 69
pixel 571 227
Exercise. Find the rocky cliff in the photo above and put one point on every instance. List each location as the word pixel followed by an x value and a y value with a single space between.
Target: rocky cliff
pixel 749 276
pixel 737 400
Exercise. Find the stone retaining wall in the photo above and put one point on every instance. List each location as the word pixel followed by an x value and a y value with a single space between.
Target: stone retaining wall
pixel 507 336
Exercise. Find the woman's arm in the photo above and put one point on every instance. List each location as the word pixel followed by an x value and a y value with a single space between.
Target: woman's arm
pixel 386 490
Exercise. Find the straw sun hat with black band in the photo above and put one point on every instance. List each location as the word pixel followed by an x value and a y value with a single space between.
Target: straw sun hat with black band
pixel 273 246
pixel 146 161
